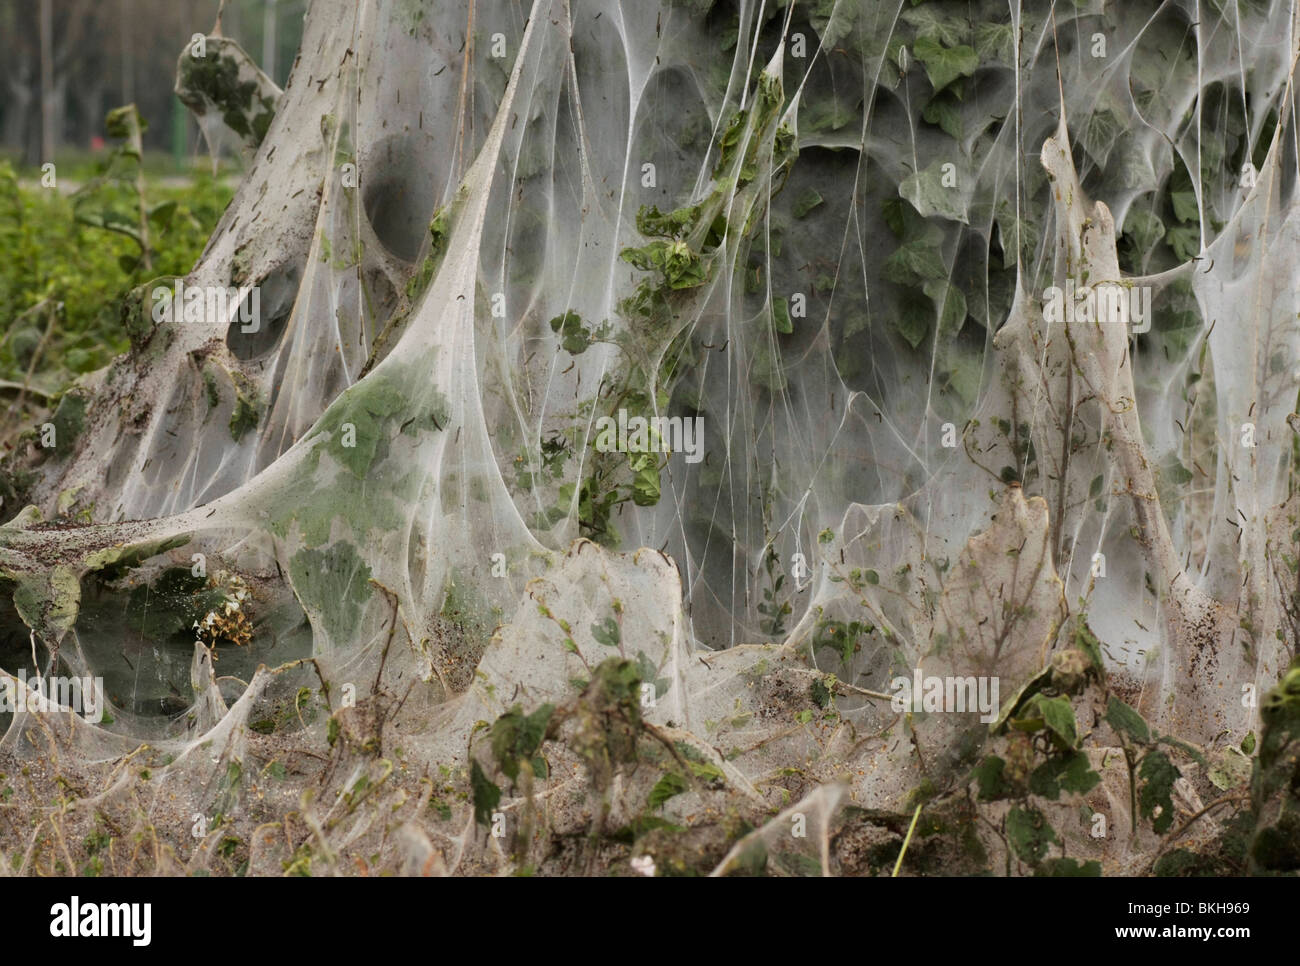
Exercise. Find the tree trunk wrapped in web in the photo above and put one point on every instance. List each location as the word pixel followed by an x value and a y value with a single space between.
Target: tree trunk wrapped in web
pixel 805 438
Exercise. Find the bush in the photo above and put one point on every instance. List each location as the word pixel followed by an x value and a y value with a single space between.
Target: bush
pixel 53 259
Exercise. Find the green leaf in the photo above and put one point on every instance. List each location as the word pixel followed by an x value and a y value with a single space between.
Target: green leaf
pixel 944 111
pixel 808 199
pixel 995 42
pixel 896 218
pixel 943 65
pixel 1127 721
pixel 668 785
pixel 333 585
pixel 988 773
pixel 911 320
pixel 1173 473
pixel 1248 743
pixel 606 632
pixel 1185 209
pixel 645 479
pixel 1086 641
pixel 1058 714
pixel 950 304
pixel 679 264
pixel 574 336
pixel 647 672
pixel 1158 775
pixel 517 737
pixel 820 693
pixel 931 197
pixel 934 27
pixel 1185 240
pixel 1193 752
pixel 163 212
pixel 781 317
pixel 487 796
pixel 1029 834
pixel 1012 706
pixel 1069 868
pixel 1102 128
pixel 1145 228
pixel 1069 773
pixel 1230 770
pixel 1078 776
pixel 915 261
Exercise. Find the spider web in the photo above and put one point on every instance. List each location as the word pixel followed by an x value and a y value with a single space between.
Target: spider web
pixel 823 229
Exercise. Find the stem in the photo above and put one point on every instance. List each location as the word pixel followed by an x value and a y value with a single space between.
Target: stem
pixel 1132 795
pixel 903 851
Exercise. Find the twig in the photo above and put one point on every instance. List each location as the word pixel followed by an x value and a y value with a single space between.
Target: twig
pixel 903 851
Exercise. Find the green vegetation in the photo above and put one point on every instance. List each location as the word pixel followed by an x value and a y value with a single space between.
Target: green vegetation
pixel 61 284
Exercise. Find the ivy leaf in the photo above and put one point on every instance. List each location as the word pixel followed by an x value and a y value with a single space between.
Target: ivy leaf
pixel 950 304
pixel 911 320
pixel 931 197
pixel 833 21
pixel 915 261
pixel 995 42
pixel 943 65
pixel 1185 208
pixel 808 199
pixel 1145 228
pixel 943 111
pixel 1185 240
pixel 933 27
pixel 781 317
pixel 1100 132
